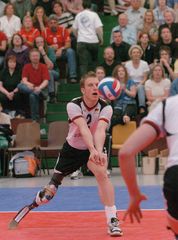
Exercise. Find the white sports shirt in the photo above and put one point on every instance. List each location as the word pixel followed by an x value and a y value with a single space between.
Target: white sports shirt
pixel 76 109
pixel 169 128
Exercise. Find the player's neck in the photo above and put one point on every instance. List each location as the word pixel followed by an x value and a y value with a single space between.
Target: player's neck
pixel 89 103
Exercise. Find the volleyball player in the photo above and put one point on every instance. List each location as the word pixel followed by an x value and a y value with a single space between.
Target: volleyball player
pixel 89 117
pixel 161 121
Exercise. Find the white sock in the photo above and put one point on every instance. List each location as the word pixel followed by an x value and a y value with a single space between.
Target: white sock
pixel 111 212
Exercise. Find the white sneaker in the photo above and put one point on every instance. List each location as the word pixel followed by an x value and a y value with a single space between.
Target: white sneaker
pixel 114 228
pixel 76 175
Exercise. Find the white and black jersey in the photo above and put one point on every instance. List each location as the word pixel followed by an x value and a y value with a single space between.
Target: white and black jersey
pixel 169 127
pixel 76 109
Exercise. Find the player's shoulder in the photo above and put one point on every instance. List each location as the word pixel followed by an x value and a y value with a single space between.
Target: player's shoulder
pixel 76 101
pixel 172 100
pixel 103 102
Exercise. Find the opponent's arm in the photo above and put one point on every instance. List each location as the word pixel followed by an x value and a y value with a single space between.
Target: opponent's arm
pixel 141 138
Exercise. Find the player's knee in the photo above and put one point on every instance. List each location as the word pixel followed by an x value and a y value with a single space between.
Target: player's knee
pixel 100 174
pixel 172 223
pixel 46 194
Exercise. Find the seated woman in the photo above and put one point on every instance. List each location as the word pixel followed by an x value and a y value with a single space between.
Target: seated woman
pixel 149 26
pixel 125 107
pixel 40 19
pixel 147 47
pixel 138 71
pixel 19 50
pixel 10 97
pixel 157 87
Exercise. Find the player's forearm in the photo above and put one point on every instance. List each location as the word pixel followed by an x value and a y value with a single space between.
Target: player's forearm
pixel 88 139
pixel 99 140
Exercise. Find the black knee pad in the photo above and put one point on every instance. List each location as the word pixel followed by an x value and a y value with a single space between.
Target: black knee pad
pixel 56 179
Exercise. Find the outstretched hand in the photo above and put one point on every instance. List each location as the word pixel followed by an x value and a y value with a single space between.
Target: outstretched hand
pixel 134 211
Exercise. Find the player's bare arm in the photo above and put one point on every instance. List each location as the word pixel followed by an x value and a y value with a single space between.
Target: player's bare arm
pixel 99 140
pixel 88 138
pixel 141 138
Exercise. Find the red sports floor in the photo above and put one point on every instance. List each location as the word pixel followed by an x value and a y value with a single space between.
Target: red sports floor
pixel 82 226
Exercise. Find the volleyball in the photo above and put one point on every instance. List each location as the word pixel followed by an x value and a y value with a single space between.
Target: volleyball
pixel 109 88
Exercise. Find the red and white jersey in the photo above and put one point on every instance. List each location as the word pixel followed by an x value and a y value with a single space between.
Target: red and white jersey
pixel 76 109
pixel 168 128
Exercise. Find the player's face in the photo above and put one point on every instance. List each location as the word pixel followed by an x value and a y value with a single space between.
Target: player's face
pixel 90 89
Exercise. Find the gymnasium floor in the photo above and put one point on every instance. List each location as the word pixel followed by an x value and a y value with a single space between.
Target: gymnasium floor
pixel 76 212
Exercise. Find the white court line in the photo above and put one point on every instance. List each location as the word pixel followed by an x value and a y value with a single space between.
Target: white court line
pixel 80 211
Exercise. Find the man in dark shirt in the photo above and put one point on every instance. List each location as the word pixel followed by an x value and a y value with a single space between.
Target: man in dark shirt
pixel 120 47
pixel 109 62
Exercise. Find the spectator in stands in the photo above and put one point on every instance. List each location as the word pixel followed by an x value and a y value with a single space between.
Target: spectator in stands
pixel 88 29
pixel 135 14
pixel 125 106
pixel 149 26
pixel 109 61
pixel 72 6
pixel 9 23
pixel 166 40
pixel 3 47
pixel 48 57
pixel 147 47
pixel 58 38
pixel 10 77
pixel 35 77
pixel 19 50
pixel 65 19
pixel 129 33
pixel 174 88
pixel 167 62
pixel 47 5
pixel 22 8
pixel 28 32
pixel 120 47
pixel 2 6
pixel 169 17
pixel 100 72
pixel 138 71
pixel 40 19
pixel 159 12
pixel 157 87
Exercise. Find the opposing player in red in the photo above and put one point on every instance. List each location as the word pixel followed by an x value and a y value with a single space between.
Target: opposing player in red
pixel 89 117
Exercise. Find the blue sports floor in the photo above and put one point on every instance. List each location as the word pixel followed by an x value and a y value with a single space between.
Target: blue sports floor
pixel 76 198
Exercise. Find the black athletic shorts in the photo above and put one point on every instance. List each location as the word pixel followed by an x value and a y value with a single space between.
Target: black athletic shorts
pixel 71 159
pixel 170 190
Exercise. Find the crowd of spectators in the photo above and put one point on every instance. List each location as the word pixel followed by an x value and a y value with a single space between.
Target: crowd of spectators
pixel 37 37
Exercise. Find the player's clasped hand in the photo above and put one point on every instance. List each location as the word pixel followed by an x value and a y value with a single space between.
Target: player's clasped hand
pixel 98 158
pixel 134 211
